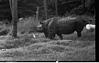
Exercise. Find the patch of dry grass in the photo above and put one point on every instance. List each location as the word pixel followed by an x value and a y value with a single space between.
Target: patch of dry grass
pixel 52 51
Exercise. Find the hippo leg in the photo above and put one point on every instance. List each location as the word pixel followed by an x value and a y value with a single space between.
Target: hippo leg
pixel 79 34
pixel 60 36
pixel 51 36
pixel 46 35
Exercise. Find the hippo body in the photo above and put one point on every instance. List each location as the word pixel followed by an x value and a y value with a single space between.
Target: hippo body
pixel 66 26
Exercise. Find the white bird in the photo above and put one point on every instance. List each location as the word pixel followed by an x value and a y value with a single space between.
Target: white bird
pixel 20 19
pixel 34 35
pixel 90 27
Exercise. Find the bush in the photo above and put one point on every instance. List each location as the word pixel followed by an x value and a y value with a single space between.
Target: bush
pixel 27 24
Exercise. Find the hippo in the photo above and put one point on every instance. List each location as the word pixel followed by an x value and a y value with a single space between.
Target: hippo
pixel 66 25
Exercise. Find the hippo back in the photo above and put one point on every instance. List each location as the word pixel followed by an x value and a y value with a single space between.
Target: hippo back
pixel 62 25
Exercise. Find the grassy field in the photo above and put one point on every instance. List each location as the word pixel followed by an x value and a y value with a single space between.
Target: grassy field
pixel 27 48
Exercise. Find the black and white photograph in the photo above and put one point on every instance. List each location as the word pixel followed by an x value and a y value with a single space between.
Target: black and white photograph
pixel 62 31
pixel 49 62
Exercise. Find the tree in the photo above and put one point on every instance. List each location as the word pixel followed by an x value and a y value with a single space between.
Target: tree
pixel 13 6
pixel 45 8
pixel 37 14
pixel 56 6
pixel 51 7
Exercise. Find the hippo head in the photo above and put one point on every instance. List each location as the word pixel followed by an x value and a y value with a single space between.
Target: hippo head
pixel 44 26
pixel 39 28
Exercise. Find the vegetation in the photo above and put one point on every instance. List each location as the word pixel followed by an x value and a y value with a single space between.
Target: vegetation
pixel 27 48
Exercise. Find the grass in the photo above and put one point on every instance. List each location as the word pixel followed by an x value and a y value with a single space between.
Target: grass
pixel 49 50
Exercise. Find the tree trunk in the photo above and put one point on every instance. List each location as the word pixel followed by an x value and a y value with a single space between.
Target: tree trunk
pixel 56 4
pixel 84 5
pixel 14 18
pixel 45 8
pixel 37 14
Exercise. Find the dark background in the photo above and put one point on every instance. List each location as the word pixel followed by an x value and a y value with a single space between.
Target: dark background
pixel 28 8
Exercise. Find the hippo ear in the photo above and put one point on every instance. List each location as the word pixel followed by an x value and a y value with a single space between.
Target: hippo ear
pixel 90 21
